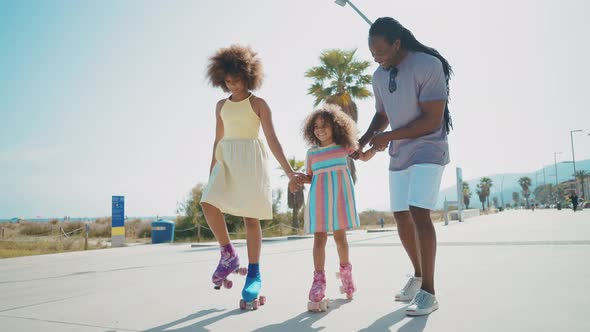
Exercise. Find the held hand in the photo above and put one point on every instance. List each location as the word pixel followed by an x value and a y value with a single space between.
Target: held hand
pixel 380 141
pixel 297 182
pixel 356 154
pixel 290 175
pixel 294 186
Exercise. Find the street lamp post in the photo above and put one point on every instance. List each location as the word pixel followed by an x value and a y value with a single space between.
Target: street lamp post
pixel 574 156
pixel 544 178
pixel 343 3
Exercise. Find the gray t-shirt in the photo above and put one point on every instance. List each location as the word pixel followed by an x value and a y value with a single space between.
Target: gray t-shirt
pixel 420 78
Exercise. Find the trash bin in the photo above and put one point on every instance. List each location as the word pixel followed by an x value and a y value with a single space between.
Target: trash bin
pixel 162 231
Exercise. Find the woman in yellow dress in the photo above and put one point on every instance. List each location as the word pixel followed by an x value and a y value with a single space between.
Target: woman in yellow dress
pixel 239 181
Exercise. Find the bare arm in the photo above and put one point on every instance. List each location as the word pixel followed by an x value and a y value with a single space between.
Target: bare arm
pixel 367 155
pixel 378 124
pixel 263 111
pixel 218 132
pixel 429 121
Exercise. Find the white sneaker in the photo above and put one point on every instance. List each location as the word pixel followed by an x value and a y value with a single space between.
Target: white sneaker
pixel 422 304
pixel 409 291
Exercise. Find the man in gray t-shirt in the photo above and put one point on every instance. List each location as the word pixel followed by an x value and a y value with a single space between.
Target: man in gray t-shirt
pixel 411 92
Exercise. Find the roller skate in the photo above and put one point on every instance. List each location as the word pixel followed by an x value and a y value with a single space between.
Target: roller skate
pixel 228 263
pixel 317 302
pixel 250 298
pixel 347 283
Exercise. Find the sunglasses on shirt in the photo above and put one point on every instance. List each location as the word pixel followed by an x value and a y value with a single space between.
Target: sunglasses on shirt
pixel 392 76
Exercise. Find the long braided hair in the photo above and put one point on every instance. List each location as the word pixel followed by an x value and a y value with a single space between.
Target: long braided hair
pixel 392 30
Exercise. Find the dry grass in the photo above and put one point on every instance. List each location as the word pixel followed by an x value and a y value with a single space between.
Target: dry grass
pixel 34 238
pixel 16 248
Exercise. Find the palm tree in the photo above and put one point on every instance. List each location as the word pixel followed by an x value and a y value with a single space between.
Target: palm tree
pixel 466 194
pixel 488 185
pixel 295 200
pixel 582 175
pixel 482 197
pixel 525 184
pixel 483 191
pixel 339 80
pixel 516 198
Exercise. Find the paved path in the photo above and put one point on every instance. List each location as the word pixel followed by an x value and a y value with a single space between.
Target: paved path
pixel 513 271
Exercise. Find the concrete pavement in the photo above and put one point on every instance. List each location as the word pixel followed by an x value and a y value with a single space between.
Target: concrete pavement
pixel 512 271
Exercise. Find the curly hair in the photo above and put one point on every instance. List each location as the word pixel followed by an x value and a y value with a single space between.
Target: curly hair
pixel 235 60
pixel 344 131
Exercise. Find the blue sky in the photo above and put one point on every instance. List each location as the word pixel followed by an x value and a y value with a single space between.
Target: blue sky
pixel 101 98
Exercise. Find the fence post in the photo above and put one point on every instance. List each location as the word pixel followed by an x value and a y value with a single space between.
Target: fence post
pixel 281 229
pixel 86 231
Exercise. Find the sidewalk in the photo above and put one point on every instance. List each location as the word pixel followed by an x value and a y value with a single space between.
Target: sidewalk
pixel 512 271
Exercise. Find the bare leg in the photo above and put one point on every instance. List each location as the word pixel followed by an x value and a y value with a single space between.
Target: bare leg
pixel 216 221
pixel 407 234
pixel 253 239
pixel 341 246
pixel 319 250
pixel 427 245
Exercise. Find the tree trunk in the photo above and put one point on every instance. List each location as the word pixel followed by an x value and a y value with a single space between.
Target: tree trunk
pixel 295 219
pixel 352 169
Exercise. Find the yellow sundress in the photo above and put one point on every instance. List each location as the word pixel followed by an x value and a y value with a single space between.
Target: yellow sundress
pixel 239 183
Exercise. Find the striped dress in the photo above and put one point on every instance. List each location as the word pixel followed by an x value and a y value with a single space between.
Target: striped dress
pixel 331 204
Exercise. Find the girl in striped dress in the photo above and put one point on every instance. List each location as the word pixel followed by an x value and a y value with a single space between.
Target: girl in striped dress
pixel 331 204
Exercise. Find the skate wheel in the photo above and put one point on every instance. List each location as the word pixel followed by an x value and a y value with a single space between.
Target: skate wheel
pixel 242 271
pixel 313 306
pixel 255 304
pixel 323 305
pixel 217 287
pixel 228 283
pixel 262 300
pixel 242 304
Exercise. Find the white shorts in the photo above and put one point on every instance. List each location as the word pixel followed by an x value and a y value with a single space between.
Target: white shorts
pixel 417 185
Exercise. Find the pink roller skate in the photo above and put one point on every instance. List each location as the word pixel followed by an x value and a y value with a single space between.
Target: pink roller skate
pixel 317 302
pixel 228 263
pixel 347 283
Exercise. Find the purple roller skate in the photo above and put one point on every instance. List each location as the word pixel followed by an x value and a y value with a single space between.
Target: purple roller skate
pixel 228 263
pixel 347 283
pixel 317 302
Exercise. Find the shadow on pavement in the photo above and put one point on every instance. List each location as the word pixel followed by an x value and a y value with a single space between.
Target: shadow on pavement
pixel 304 320
pixel 197 326
pixel 415 324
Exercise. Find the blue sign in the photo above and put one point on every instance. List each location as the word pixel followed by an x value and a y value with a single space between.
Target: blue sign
pixel 118 211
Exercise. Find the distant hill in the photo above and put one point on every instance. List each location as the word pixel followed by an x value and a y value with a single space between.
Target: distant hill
pixel 564 172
